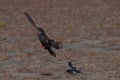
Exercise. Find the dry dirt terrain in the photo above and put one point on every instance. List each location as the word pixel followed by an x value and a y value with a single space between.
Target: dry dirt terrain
pixel 89 30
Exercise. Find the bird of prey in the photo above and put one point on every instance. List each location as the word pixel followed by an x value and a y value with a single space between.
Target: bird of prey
pixel 73 69
pixel 47 43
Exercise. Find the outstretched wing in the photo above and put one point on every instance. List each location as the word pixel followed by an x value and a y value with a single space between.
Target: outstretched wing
pixel 77 71
pixel 69 71
pixel 56 45
pixel 70 64
pixel 52 52
pixel 31 20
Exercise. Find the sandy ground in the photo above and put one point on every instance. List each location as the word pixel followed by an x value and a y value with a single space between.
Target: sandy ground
pixel 89 30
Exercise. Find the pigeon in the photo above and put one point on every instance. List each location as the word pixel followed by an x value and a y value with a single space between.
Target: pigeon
pixel 47 43
pixel 73 69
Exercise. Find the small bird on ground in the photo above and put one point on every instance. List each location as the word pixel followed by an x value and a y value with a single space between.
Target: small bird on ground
pixel 73 69
pixel 47 43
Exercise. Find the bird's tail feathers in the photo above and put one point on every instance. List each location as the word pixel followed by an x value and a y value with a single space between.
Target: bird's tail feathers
pixel 52 52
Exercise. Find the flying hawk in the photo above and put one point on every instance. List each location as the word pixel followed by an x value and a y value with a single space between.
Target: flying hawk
pixel 47 43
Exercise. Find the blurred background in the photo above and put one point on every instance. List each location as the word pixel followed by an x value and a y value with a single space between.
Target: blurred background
pixel 89 30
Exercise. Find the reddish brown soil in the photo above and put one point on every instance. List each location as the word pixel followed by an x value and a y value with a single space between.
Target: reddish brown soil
pixel 94 24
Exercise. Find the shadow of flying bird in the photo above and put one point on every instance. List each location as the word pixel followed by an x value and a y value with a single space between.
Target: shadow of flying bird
pixel 73 69
pixel 47 43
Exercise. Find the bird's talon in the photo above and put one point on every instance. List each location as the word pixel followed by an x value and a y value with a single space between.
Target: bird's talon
pixel 42 46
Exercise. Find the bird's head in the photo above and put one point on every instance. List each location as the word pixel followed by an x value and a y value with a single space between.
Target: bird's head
pixel 40 30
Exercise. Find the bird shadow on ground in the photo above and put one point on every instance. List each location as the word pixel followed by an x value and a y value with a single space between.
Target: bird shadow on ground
pixel 73 69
